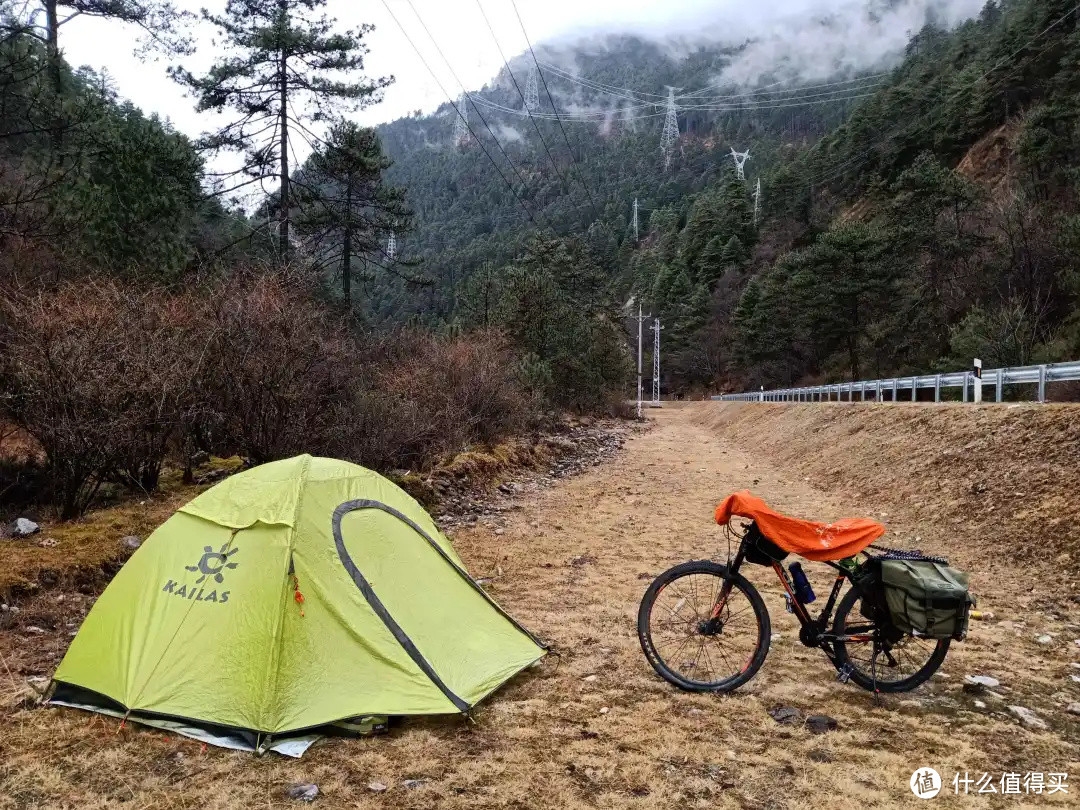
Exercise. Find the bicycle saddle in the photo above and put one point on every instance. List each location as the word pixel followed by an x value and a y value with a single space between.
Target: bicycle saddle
pixel 807 538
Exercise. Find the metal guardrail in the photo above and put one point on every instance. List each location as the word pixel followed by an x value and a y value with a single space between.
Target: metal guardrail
pixel 890 389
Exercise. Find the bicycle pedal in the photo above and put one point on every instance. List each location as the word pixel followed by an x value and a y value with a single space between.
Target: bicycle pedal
pixel 844 675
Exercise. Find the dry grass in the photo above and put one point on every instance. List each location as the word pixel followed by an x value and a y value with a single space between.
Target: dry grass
pixel 572 564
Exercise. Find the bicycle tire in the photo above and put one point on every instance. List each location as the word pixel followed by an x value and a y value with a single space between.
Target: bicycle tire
pixel 864 678
pixel 756 604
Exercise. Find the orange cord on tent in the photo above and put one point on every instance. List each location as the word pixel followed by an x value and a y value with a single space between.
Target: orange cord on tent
pixel 298 596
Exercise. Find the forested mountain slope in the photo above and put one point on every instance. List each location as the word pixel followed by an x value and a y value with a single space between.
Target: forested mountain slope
pixel 930 219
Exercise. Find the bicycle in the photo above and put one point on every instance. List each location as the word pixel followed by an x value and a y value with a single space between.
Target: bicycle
pixel 863 645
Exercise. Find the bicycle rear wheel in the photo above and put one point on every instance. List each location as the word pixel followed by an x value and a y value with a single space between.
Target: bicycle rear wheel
pixel 877 655
pixel 690 647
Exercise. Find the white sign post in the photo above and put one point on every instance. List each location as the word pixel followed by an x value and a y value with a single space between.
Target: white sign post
pixel 977 381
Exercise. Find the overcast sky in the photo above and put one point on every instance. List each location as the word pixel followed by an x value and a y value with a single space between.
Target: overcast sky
pixel 463 37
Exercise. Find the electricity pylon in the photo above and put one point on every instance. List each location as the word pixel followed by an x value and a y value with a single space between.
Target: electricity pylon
pixel 532 94
pixel 671 128
pixel 757 201
pixel 656 362
pixel 634 221
pixel 391 246
pixel 461 123
pixel 740 159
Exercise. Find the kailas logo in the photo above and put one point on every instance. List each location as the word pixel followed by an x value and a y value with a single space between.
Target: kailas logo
pixel 212 565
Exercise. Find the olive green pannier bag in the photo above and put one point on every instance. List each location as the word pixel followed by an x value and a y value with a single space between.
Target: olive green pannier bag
pixel 926 598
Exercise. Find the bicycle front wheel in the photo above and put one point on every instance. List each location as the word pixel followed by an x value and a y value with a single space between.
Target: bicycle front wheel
pixel 876 655
pixel 703 628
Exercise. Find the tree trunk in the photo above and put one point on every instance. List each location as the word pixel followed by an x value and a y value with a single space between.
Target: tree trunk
pixel 283 91
pixel 52 42
pixel 346 248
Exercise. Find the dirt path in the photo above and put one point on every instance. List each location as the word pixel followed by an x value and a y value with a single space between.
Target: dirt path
pixel 572 563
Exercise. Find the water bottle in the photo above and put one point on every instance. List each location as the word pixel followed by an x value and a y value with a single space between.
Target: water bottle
pixel 802 585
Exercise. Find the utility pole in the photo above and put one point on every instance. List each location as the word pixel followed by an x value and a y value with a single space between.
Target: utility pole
pixel 671 128
pixel 740 161
pixel 757 201
pixel 641 318
pixel 656 363
pixel 634 221
pixel 461 123
pixel 532 94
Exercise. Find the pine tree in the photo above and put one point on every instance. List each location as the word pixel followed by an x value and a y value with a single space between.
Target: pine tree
pixel 346 209
pixel 290 71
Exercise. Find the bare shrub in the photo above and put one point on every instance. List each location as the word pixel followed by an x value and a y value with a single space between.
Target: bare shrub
pixel 449 392
pixel 96 373
pixel 277 370
pixel 111 379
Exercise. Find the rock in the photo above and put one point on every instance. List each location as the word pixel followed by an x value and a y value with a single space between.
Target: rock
pixel 980 681
pixel 376 787
pixel 980 704
pixel 302 792
pixel 499 531
pixel 604 710
pixel 1073 708
pixel 775 637
pixel 785 715
pixel 589 678
pixel 33 630
pixel 131 541
pixel 23 527
pixel 39 684
pixel 1044 639
pixel 820 723
pixel 1028 717
pixel 48 542
pixel 694 711
pixel 413 784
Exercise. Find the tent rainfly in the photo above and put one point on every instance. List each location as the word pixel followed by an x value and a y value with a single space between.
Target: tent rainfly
pixel 296 597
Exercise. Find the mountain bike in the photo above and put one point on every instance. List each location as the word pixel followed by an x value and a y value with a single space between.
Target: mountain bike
pixel 705 628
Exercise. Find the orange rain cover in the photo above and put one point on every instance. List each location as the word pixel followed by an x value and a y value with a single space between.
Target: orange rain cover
pixel 807 538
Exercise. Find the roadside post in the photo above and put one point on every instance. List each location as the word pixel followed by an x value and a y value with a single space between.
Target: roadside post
pixel 976 379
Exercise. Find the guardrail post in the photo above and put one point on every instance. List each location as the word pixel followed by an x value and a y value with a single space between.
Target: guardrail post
pixel 862 390
pixel 914 389
pixel 1042 382
pixel 1000 385
pixel 937 388
pixel 967 376
pixel 895 385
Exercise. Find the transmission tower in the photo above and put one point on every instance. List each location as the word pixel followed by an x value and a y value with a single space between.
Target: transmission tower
pixel 740 159
pixel 461 123
pixel 391 246
pixel 656 362
pixel 757 201
pixel 634 221
pixel 671 128
pixel 532 95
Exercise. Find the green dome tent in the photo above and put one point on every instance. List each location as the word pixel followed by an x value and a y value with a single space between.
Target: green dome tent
pixel 285 599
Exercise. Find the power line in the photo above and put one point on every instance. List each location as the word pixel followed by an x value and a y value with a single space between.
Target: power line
pixel 547 91
pixel 487 154
pixel 529 103
pixel 483 120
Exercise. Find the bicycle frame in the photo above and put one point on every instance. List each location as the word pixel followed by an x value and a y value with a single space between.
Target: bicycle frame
pixel 813 632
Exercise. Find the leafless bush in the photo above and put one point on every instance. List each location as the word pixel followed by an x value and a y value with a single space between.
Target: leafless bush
pixel 111 379
pixel 448 392
pixel 96 372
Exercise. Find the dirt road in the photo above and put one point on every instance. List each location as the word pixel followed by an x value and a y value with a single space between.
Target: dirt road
pixel 595 727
